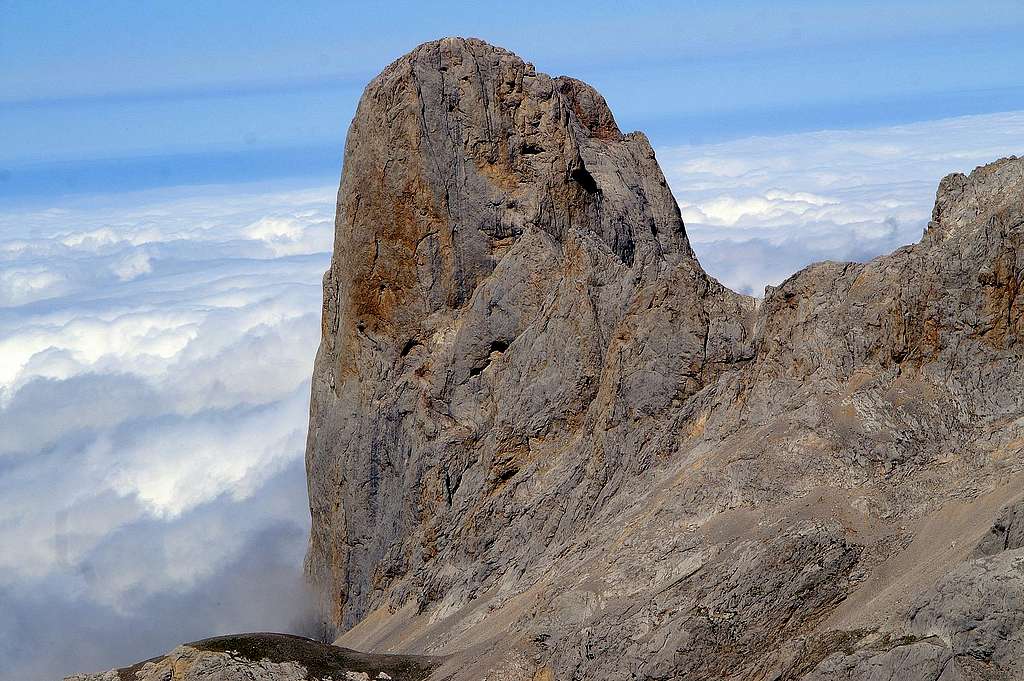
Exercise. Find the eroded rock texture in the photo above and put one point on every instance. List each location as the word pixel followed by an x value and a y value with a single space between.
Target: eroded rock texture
pixel 545 442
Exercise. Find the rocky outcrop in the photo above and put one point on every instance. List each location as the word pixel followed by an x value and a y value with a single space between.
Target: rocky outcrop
pixel 496 262
pixel 269 657
pixel 968 625
pixel 1006 533
pixel 545 442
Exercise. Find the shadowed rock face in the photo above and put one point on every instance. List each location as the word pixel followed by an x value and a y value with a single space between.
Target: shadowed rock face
pixel 544 441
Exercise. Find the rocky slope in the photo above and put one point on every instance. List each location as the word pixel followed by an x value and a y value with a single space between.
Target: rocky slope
pixel 545 443
pixel 269 657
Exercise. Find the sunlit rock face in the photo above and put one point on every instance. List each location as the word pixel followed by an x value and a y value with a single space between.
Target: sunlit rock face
pixel 504 256
pixel 543 441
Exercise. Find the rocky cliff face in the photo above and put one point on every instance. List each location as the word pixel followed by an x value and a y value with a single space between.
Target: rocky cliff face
pixel 504 254
pixel 543 440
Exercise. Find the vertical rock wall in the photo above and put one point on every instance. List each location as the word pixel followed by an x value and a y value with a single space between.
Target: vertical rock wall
pixel 544 440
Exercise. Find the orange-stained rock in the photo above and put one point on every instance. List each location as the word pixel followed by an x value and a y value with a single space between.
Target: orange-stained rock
pixel 543 441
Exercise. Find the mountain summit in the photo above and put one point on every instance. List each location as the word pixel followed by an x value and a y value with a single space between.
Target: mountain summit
pixel 544 438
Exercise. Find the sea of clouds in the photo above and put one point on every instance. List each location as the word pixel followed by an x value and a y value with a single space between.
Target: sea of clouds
pixel 757 210
pixel 156 349
pixel 155 355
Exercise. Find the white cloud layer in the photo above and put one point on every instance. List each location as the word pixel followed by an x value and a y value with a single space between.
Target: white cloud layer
pixel 155 354
pixel 154 388
pixel 759 209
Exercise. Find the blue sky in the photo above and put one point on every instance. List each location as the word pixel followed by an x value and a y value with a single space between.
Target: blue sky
pixel 168 174
pixel 96 96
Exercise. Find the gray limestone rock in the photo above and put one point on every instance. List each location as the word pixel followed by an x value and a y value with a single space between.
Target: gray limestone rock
pixel 545 442
pixel 1007 532
pixel 969 625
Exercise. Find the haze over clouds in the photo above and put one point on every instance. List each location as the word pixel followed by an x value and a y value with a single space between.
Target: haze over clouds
pixel 155 353
pixel 759 209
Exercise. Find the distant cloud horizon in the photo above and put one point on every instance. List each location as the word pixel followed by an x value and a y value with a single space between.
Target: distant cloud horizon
pixel 759 209
pixel 123 96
